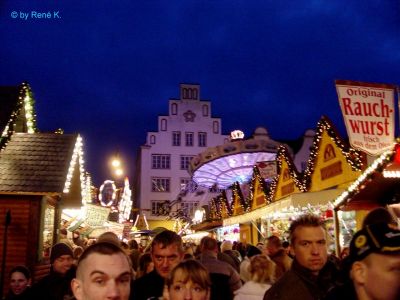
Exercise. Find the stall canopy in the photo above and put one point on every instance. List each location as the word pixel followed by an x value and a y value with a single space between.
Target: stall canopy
pixel 378 185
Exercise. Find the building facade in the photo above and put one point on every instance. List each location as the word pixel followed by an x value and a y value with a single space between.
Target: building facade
pixel 163 182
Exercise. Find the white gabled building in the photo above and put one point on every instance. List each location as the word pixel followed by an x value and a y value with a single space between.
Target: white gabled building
pixel 162 169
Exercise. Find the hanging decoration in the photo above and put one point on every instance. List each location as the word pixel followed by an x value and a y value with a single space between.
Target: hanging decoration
pixel 125 204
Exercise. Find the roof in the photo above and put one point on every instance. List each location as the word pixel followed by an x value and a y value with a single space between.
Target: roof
pixel 36 163
pixel 378 185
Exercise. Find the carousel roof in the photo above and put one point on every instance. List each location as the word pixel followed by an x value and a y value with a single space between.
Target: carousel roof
pixel 233 161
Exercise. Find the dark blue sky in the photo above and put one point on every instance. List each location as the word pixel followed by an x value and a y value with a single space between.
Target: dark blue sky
pixel 106 69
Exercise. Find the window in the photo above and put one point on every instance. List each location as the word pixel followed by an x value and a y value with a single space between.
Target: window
pixel 202 139
pixel 205 110
pixel 185 161
pixel 152 139
pixel 176 138
pixel 189 208
pixel 185 183
pixel 215 127
pixel 189 138
pixel 160 161
pixel 174 109
pixel 159 208
pixel 163 125
pixel 160 184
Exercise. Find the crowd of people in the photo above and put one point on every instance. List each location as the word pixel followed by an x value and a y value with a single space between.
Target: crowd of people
pixel 172 270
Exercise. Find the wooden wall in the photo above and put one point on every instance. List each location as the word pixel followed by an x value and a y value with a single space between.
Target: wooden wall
pixel 23 231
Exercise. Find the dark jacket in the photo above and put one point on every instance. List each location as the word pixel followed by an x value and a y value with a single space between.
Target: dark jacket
pixel 147 286
pixel 342 292
pixel 25 295
pixel 300 284
pixel 54 286
pixel 283 262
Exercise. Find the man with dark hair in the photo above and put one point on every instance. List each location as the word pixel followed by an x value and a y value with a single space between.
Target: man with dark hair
pixel 225 279
pixel 103 272
pixel 278 255
pixel 373 265
pixel 57 284
pixel 311 274
pixel 166 253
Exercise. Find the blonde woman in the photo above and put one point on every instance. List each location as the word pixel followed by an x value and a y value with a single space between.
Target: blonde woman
pixel 189 280
pixel 262 276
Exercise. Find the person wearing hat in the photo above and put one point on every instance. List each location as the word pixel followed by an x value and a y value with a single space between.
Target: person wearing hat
pixel 57 284
pixel 373 265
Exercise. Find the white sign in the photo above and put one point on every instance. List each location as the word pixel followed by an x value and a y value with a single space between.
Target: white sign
pixel 368 113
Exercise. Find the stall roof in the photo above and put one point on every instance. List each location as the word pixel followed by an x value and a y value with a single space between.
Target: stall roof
pixel 378 185
pixel 36 163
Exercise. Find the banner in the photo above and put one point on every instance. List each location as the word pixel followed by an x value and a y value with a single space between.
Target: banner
pixel 368 113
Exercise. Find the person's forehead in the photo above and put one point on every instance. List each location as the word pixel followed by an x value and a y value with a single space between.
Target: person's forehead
pixel 309 233
pixel 115 263
pixel 166 249
pixel 18 275
pixel 65 256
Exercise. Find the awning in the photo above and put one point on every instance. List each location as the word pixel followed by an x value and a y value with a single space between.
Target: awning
pixel 293 201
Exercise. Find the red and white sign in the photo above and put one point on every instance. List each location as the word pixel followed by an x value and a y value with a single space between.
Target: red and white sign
pixel 368 113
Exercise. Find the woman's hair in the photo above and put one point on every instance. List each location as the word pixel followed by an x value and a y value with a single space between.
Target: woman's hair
pixel 191 270
pixel 262 269
pixel 226 245
pixel 22 269
pixel 144 261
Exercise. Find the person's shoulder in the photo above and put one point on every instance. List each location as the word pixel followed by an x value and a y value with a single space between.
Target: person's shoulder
pixel 149 278
pixel 284 287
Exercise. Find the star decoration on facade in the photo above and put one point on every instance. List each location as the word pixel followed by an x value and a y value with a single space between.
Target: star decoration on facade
pixel 189 116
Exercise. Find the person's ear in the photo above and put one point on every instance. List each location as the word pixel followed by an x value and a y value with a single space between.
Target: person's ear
pixel 359 272
pixel 76 286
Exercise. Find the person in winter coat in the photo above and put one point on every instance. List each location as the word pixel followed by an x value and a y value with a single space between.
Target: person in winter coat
pixel 20 280
pixel 57 284
pixel 262 276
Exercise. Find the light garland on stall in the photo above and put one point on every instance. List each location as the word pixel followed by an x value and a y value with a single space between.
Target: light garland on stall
pixel 257 178
pixel 238 200
pixel 77 156
pixel 352 156
pixel 355 186
pixel 125 204
pixel 25 101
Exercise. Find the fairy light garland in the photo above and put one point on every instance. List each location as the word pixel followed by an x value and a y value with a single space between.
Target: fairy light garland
pixel 353 157
pixel 382 160
pixel 25 103
pixel 239 206
pixel 77 156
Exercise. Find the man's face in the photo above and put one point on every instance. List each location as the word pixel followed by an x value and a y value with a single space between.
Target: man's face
pixel 165 258
pixel 382 276
pixel 62 264
pixel 272 248
pixel 310 248
pixel 103 277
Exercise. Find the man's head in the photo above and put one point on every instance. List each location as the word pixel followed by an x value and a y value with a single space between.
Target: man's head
pixel 375 258
pixel 103 272
pixel 308 239
pixel 209 244
pixel 166 252
pixel 61 258
pixel 274 244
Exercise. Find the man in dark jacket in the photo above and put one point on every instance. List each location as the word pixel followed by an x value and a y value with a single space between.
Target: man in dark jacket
pixel 57 284
pixel 278 255
pixel 374 265
pixel 166 253
pixel 311 274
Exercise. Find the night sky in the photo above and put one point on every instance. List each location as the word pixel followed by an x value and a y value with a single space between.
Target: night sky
pixel 106 69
